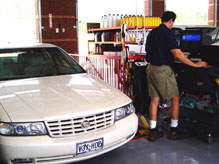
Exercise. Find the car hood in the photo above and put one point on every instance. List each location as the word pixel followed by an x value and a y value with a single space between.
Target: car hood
pixel 55 97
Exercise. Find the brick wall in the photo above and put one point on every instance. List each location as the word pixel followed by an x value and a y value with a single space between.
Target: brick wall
pixel 58 24
pixel 211 12
pixel 146 7
pixel 157 8
pixel 37 22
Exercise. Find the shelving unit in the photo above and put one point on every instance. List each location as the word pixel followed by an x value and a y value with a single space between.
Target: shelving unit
pixel 109 39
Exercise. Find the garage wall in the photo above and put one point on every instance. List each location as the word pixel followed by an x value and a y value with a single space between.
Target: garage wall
pixel 211 16
pixel 37 22
pixel 58 19
pixel 211 12
pixel 146 7
pixel 157 8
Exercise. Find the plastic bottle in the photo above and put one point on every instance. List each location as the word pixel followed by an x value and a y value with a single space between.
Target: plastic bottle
pixel 141 20
pixel 110 20
pixel 117 20
pixel 105 22
pixel 137 20
pixel 118 37
pixel 153 21
pixel 149 21
pixel 129 20
pixel 133 20
pixel 103 37
pixel 121 20
pixel 132 36
pixel 102 22
pixel 159 21
pixel 146 21
pixel 126 20
pixel 114 20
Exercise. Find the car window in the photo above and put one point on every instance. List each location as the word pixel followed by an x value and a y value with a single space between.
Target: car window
pixel 36 62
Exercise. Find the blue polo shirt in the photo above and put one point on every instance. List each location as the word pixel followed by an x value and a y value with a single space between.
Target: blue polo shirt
pixel 159 43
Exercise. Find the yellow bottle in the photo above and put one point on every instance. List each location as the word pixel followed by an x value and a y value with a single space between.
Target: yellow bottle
pixel 146 21
pixel 141 20
pixel 135 21
pixel 156 21
pixel 159 21
pixel 126 20
pixel 129 20
pixel 149 21
pixel 138 20
pixel 152 21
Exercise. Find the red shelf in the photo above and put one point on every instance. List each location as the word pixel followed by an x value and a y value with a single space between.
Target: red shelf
pixel 104 29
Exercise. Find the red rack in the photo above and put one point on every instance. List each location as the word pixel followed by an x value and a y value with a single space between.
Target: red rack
pixel 109 69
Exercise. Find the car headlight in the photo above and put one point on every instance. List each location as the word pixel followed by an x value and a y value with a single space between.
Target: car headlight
pixel 22 129
pixel 124 111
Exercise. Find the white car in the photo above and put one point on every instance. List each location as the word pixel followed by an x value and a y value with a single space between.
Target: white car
pixel 52 111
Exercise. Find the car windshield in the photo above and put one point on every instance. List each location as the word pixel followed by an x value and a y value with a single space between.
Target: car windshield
pixel 36 62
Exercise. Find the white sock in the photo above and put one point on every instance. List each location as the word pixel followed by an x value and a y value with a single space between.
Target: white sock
pixel 153 124
pixel 174 123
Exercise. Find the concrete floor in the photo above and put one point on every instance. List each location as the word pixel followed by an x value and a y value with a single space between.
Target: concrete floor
pixel 162 151
pixel 192 150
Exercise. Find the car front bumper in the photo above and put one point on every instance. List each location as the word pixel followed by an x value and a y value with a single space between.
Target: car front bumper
pixel 47 150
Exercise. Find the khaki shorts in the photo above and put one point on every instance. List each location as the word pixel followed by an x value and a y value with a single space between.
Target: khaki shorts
pixel 161 82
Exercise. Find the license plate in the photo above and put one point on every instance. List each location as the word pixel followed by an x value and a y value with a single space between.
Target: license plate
pixel 89 146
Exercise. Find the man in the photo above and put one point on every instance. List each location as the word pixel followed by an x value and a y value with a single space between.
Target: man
pixel 162 49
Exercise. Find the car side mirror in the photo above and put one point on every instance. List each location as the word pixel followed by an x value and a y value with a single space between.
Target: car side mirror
pixel 86 66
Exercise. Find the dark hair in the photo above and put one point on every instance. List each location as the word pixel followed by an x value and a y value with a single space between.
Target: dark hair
pixel 167 15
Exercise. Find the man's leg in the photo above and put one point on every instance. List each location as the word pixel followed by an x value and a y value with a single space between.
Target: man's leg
pixel 175 111
pixel 175 133
pixel 154 133
pixel 153 108
pixel 175 108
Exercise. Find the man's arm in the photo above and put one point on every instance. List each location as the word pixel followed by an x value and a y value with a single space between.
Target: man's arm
pixel 179 55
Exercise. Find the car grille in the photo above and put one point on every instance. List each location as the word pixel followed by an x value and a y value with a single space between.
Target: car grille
pixel 73 126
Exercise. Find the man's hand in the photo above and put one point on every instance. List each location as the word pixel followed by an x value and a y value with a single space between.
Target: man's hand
pixel 178 54
pixel 201 64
